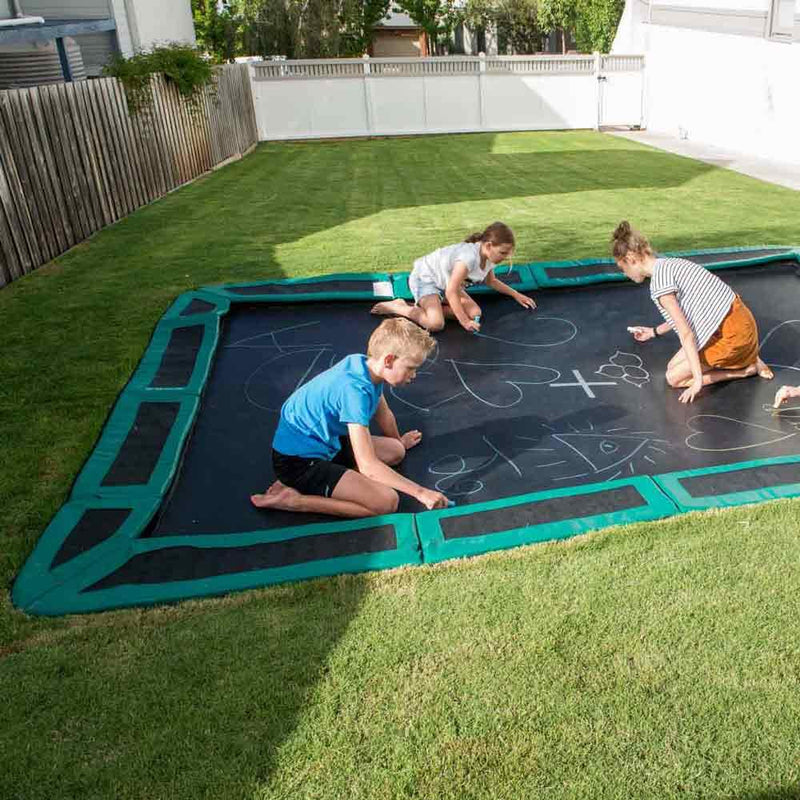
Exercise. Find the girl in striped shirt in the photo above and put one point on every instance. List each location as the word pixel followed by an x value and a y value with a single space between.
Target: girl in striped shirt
pixel 719 337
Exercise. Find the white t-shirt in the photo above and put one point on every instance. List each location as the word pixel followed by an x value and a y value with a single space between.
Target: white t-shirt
pixel 437 267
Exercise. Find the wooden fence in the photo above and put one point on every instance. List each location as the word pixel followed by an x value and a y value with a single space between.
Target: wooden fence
pixel 72 158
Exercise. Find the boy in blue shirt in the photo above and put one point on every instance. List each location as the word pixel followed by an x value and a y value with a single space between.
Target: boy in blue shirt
pixel 326 460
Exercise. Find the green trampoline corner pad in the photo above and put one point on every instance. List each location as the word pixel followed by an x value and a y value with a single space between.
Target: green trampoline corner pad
pixel 118 569
pixel 539 517
pixel 733 484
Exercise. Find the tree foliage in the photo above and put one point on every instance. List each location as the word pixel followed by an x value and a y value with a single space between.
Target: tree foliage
pixel 332 28
pixel 438 18
pixel 308 28
pixel 516 22
pixel 217 28
pixel 180 64
pixel 596 24
pixel 558 15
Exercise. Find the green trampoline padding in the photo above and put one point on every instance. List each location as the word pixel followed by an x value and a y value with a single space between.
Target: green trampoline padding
pixel 96 553
pixel 539 517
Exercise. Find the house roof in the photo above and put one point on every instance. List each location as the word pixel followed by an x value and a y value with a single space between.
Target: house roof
pixel 397 19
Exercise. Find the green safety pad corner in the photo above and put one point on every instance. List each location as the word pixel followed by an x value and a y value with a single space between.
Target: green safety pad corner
pixel 538 517
pixel 179 354
pixel 733 484
pixel 138 450
pixel 82 535
pixel 197 303
pixel 196 565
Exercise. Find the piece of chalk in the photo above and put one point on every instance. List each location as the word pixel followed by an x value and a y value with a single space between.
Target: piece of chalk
pixel 451 503
pixel 634 329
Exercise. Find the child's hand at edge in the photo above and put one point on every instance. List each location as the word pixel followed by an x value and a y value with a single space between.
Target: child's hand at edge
pixel 432 500
pixel 472 326
pixel 525 301
pixel 784 393
pixel 411 439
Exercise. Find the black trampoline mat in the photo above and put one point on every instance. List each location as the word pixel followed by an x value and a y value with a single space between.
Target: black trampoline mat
pixel 537 401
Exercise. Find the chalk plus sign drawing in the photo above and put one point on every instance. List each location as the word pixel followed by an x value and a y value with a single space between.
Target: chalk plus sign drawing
pixel 584 384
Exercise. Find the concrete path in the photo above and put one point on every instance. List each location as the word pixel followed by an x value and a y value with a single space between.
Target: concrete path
pixel 771 171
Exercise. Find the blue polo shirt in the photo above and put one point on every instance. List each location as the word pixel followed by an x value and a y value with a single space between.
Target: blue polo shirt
pixel 317 414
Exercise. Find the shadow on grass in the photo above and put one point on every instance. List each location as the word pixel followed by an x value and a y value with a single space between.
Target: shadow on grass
pixel 191 701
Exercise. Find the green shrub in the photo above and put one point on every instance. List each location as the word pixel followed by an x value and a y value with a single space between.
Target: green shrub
pixel 180 64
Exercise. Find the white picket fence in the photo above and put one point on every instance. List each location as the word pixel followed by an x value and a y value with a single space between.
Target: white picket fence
pixel 388 96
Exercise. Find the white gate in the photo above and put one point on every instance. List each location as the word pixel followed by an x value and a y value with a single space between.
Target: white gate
pixel 621 85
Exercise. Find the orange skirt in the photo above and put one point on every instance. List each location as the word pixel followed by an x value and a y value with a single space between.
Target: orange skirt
pixel 735 344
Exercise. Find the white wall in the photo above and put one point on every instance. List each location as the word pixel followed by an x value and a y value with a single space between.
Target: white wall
pixel 311 107
pixel 155 22
pixel 124 38
pixel 735 92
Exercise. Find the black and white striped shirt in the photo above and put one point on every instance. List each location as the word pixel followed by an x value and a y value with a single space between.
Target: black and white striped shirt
pixel 702 296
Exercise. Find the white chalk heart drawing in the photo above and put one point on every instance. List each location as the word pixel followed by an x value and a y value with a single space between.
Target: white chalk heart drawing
pixel 715 428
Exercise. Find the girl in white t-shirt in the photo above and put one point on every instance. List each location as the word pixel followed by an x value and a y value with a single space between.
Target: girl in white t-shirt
pixel 438 281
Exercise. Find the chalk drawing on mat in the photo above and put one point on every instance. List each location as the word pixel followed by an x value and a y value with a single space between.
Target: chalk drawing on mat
pixel 627 367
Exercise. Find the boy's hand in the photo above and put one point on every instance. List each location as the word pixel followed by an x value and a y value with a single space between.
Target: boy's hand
pixel 784 393
pixel 472 326
pixel 431 499
pixel 411 439
pixel 524 300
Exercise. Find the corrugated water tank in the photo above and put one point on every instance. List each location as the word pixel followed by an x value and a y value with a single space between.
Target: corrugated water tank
pixel 34 64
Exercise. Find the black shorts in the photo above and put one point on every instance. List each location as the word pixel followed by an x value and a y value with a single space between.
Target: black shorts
pixel 314 475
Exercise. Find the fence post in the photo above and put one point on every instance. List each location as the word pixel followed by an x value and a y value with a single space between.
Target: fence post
pixel 367 96
pixel 599 80
pixel 482 88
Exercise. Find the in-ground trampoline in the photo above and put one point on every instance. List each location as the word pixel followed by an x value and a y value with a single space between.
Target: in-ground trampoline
pixel 544 425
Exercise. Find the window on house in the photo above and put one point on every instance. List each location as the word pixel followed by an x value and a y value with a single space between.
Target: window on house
pixel 781 19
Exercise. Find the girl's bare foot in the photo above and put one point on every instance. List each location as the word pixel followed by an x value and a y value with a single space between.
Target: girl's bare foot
pixel 398 306
pixel 763 370
pixel 278 496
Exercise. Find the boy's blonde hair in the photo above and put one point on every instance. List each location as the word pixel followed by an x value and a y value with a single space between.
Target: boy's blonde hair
pixel 400 337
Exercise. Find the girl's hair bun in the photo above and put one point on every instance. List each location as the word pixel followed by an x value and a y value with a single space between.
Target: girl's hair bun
pixel 623 230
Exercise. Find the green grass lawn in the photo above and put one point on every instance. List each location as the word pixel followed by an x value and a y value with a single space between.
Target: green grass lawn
pixel 658 660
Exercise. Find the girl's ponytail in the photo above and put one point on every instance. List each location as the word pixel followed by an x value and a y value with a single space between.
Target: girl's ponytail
pixel 497 233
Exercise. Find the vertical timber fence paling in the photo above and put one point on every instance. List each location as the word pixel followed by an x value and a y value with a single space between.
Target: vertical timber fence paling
pixel 74 159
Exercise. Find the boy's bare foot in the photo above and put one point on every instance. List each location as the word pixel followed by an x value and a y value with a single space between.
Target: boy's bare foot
pixel 397 306
pixel 278 496
pixel 763 370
